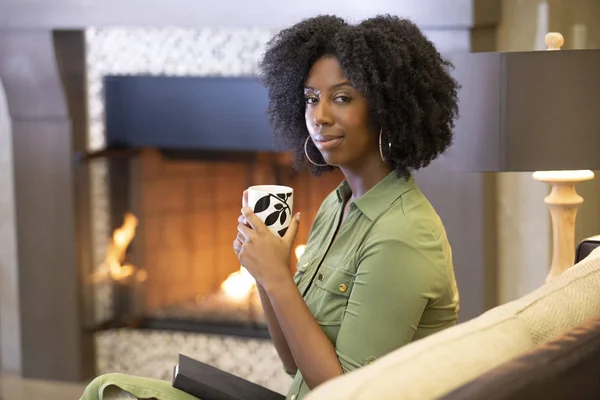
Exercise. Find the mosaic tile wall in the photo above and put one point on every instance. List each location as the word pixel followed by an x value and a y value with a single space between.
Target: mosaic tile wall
pixel 153 354
pixel 171 52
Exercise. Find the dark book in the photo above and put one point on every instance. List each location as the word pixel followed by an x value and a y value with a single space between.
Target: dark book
pixel 209 383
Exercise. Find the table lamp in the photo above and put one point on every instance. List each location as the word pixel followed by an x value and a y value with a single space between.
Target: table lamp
pixel 536 111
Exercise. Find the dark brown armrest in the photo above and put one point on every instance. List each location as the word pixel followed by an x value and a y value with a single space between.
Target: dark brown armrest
pixel 586 247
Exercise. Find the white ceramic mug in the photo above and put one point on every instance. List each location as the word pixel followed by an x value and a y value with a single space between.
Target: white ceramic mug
pixel 273 204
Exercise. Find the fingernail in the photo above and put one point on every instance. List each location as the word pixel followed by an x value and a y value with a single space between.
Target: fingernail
pixel 298 217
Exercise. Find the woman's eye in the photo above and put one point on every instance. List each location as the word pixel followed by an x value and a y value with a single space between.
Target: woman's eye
pixel 311 100
pixel 342 99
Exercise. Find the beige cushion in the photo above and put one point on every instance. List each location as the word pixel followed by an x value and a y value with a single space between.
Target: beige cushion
pixel 564 302
pixel 433 366
pixel 436 364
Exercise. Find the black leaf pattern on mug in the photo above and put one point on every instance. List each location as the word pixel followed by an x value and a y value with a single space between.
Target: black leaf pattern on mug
pixel 262 204
pixel 272 218
pixel 283 217
pixel 282 232
pixel 281 207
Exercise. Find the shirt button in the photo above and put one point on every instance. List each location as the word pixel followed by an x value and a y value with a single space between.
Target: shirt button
pixel 320 277
pixel 343 287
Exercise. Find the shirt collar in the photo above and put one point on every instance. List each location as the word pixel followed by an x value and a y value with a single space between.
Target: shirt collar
pixel 379 197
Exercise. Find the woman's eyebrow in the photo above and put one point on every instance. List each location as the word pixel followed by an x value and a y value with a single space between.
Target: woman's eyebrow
pixel 337 85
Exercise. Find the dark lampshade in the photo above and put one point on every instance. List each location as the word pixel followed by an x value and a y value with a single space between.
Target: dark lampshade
pixel 527 111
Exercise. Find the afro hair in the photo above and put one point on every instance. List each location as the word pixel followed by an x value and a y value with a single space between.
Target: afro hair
pixel 406 82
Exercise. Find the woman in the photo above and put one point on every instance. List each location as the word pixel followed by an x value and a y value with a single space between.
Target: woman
pixel 376 101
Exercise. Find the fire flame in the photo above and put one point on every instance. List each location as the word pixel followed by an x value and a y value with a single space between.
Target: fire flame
pixel 299 250
pixel 112 266
pixel 238 285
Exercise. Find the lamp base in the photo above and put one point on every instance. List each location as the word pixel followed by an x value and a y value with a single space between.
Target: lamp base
pixel 563 203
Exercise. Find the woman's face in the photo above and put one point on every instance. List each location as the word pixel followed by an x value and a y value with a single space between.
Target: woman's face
pixel 337 116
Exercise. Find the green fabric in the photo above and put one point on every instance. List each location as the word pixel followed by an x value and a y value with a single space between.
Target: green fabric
pixel 393 257
pixel 394 260
pixel 142 388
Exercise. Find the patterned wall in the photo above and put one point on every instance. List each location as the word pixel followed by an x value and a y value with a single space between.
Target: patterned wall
pixel 172 52
pixel 153 354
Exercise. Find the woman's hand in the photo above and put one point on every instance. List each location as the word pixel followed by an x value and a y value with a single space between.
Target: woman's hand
pixel 239 240
pixel 265 255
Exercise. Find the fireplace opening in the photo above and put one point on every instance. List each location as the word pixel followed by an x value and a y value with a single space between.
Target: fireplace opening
pixel 179 152
pixel 169 263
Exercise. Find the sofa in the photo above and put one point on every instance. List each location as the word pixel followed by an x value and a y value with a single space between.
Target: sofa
pixel 565 367
pixel 534 347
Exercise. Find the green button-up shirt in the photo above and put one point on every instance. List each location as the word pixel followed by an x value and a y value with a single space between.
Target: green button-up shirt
pixel 387 278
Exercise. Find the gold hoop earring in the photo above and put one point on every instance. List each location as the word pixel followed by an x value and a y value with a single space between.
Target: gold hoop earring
pixel 307 157
pixel 384 159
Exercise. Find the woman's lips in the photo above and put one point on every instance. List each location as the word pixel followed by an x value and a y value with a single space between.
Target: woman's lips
pixel 327 142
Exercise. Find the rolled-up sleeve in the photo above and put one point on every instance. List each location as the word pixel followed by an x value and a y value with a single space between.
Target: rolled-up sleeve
pixel 394 282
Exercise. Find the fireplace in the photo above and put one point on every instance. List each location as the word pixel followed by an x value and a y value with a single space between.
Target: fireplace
pixel 174 196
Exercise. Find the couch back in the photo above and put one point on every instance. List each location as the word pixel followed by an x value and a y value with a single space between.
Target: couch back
pixel 438 364
pixel 564 302
pixel 565 367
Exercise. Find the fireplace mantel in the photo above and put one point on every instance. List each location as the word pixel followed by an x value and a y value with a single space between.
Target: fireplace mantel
pixel 42 71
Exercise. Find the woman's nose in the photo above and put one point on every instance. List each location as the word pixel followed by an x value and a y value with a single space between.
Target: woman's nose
pixel 323 115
